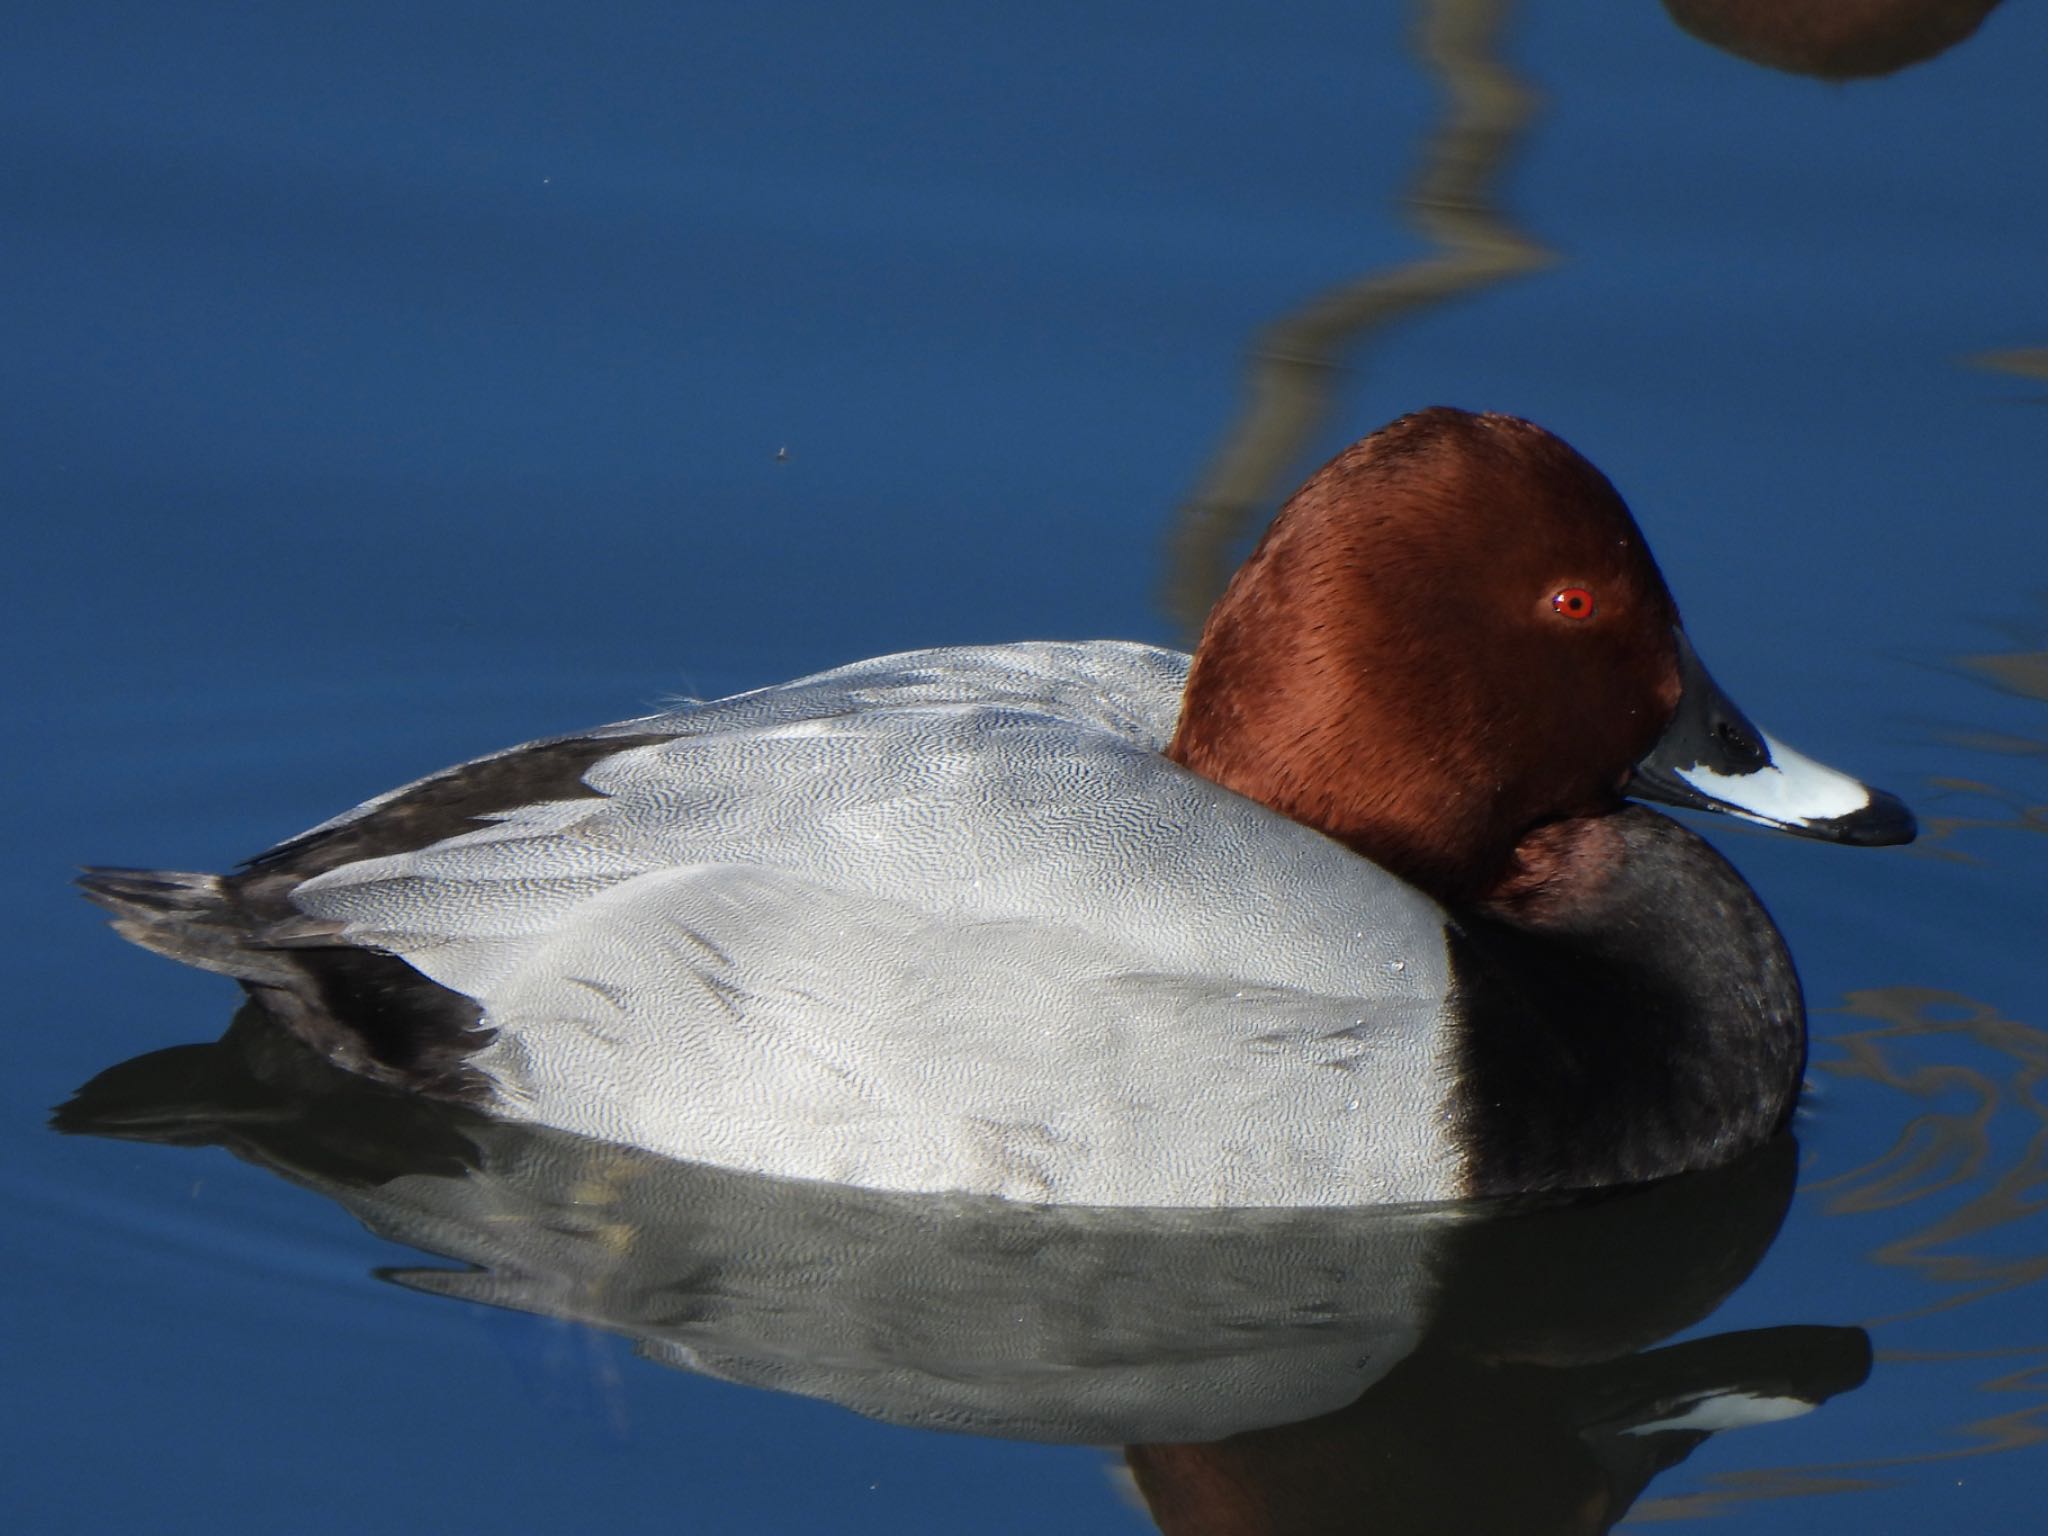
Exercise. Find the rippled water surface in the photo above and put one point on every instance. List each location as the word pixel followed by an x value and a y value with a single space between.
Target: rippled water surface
pixel 386 384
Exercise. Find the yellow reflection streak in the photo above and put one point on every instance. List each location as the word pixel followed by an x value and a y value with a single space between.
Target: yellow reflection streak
pixel 1936 831
pixel 1735 1488
pixel 1943 1149
pixel 2027 362
pixel 2022 672
pixel 1295 359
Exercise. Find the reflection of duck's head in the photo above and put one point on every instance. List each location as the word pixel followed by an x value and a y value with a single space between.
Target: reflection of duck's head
pixel 1833 39
pixel 964 919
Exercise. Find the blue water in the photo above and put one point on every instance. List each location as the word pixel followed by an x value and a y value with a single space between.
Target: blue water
pixel 382 388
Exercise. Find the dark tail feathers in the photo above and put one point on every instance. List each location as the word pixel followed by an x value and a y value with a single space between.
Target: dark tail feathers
pixel 189 917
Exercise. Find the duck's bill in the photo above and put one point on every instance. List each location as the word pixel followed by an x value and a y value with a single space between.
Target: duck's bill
pixel 1712 759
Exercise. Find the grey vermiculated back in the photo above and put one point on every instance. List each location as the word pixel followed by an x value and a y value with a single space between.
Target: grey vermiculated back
pixel 922 923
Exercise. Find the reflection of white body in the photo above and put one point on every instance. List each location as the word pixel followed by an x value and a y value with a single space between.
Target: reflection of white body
pixel 944 1312
pixel 834 930
pixel 1046 1322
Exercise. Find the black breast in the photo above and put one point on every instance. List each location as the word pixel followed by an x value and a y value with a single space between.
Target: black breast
pixel 1657 1029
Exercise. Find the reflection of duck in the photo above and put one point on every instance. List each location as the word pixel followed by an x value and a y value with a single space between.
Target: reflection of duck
pixel 1331 1344
pixel 1834 39
pixel 966 919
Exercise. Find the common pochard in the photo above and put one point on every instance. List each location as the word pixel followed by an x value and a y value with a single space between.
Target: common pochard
pixel 1353 908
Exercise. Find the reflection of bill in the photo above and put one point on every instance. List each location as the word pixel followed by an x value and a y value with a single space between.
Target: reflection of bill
pixel 1272 1350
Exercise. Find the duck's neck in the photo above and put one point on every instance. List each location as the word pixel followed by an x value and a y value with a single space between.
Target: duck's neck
pixel 1314 735
pixel 1628 1011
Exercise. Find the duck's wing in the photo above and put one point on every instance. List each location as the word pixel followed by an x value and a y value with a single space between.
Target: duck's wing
pixel 887 928
pixel 1127 689
pixel 410 1029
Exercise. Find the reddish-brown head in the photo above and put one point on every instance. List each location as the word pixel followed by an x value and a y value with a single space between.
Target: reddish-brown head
pixel 1452 635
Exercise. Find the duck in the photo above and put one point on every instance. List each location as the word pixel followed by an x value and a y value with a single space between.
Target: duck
pixel 1362 904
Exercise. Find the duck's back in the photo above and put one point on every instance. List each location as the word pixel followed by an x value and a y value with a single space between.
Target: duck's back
pixel 945 920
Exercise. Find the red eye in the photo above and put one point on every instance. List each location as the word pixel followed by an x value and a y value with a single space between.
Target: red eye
pixel 1574 603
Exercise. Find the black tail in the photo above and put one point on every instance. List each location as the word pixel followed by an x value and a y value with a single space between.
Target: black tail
pixel 189 917
pixel 364 1010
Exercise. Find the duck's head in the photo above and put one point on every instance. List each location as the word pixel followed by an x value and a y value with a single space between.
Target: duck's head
pixel 1451 640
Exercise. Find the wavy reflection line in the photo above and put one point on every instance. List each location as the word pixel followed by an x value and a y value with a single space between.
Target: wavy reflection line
pixel 1294 360
pixel 2001 1432
pixel 1730 1490
pixel 1942 1149
pixel 1946 1148
pixel 2024 815
pixel 2022 672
